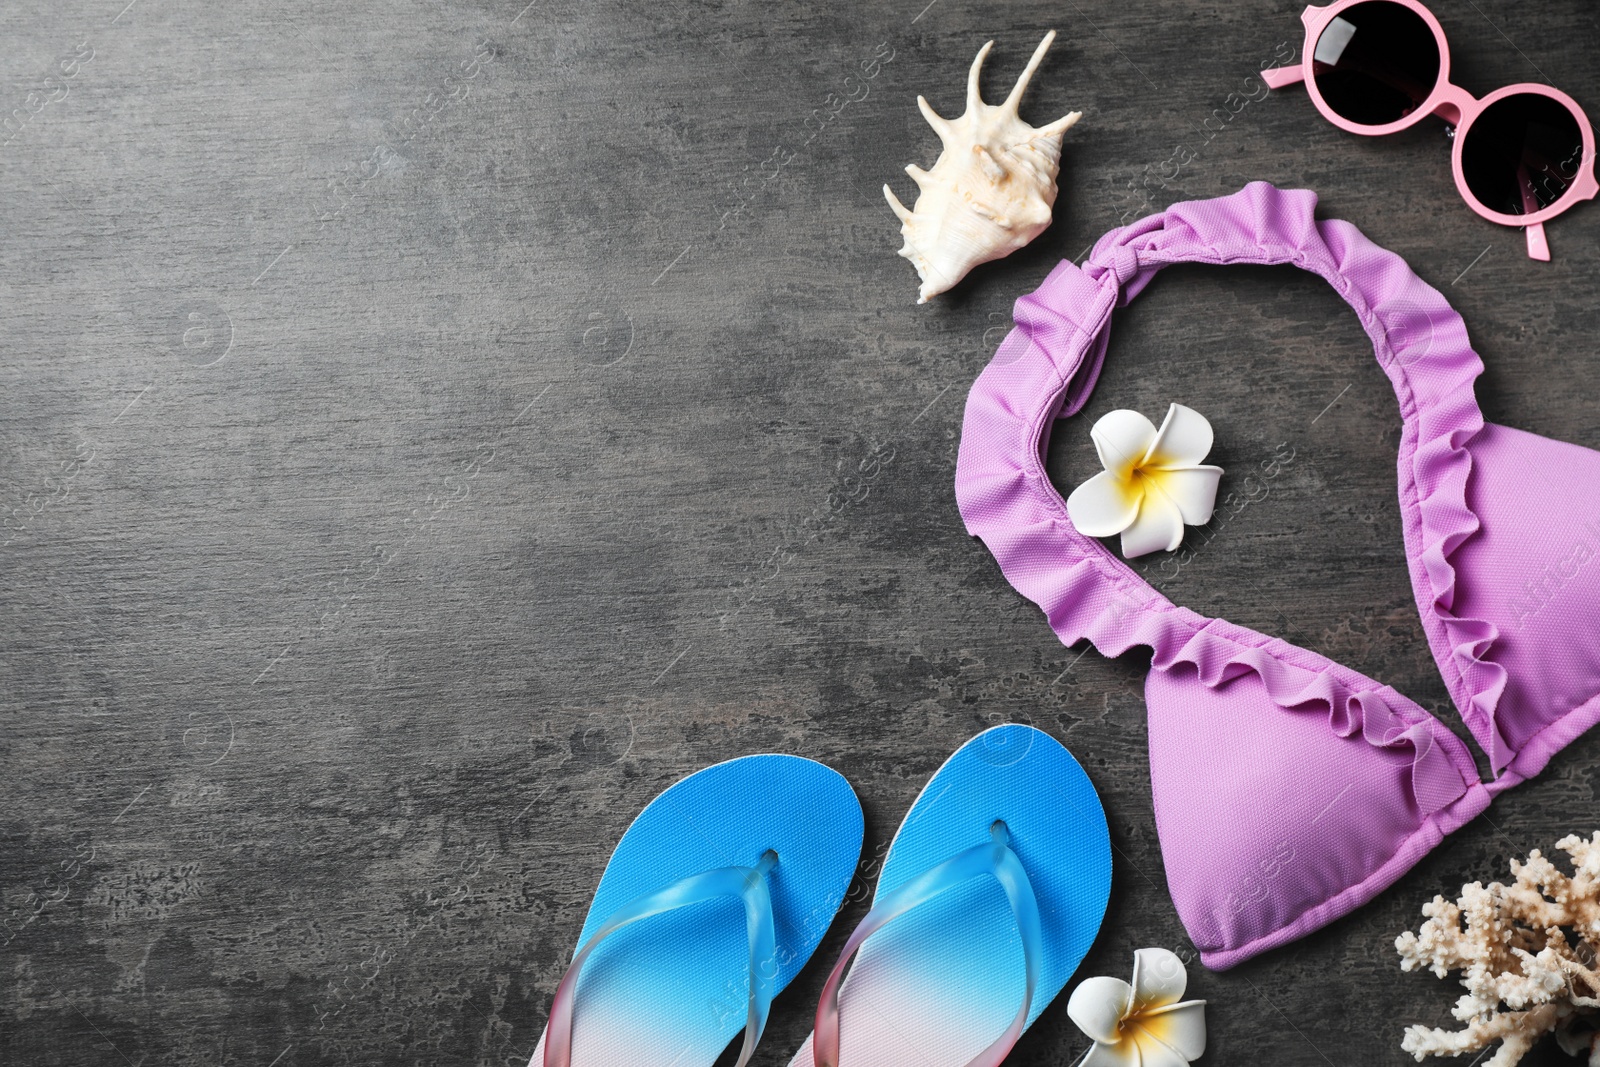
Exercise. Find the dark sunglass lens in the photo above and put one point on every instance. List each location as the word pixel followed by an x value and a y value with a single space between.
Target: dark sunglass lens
pixel 1376 62
pixel 1522 153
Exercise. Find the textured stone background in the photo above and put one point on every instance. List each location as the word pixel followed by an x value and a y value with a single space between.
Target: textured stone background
pixel 429 429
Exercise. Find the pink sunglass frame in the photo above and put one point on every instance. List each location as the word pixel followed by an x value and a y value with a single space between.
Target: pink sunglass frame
pixel 1457 107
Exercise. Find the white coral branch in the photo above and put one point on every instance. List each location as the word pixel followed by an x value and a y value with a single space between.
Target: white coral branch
pixel 1527 955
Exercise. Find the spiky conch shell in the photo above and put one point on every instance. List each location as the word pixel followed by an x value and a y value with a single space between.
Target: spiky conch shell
pixel 991 190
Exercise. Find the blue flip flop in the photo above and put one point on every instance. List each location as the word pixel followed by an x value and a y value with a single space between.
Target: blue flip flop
pixel 992 892
pixel 713 900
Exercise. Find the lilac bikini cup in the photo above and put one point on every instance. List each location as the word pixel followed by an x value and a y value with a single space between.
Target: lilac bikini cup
pixel 1290 789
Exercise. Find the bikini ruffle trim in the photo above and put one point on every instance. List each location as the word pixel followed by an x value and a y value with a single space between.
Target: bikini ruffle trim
pixel 1086 595
pixel 1078 607
pixel 1434 368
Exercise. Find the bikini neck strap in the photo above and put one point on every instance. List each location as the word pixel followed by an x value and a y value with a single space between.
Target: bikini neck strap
pixel 1047 366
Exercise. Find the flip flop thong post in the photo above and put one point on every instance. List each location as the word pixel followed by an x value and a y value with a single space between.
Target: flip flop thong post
pixel 713 900
pixel 991 894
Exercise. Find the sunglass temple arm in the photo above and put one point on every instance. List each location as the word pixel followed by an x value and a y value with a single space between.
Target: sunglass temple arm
pixel 1538 245
pixel 1279 77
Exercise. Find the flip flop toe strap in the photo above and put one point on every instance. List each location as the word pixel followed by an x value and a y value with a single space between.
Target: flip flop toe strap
pixel 746 883
pixel 995 860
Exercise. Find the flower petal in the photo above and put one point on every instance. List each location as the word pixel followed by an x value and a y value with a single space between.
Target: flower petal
pixel 1192 489
pixel 1158 978
pixel 1158 527
pixel 1104 505
pixel 1153 1053
pixel 1097 1006
pixel 1122 1054
pixel 1183 440
pixel 1181 1027
pixel 1122 438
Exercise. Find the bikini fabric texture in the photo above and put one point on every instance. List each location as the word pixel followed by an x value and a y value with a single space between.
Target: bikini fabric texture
pixel 1289 789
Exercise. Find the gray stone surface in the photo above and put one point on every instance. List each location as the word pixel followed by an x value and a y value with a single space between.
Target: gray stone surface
pixel 428 430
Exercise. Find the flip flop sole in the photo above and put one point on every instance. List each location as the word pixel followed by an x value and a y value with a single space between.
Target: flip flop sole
pixel 936 986
pixel 671 990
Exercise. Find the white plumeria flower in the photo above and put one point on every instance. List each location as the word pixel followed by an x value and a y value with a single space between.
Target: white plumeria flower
pixel 1153 480
pixel 1143 1024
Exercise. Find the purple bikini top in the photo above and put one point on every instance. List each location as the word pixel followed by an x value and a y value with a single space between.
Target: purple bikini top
pixel 1290 789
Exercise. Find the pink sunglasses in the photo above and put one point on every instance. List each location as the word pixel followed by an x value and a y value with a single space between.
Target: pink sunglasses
pixel 1523 154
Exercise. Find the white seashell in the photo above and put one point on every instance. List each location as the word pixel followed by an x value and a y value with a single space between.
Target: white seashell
pixel 991 190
